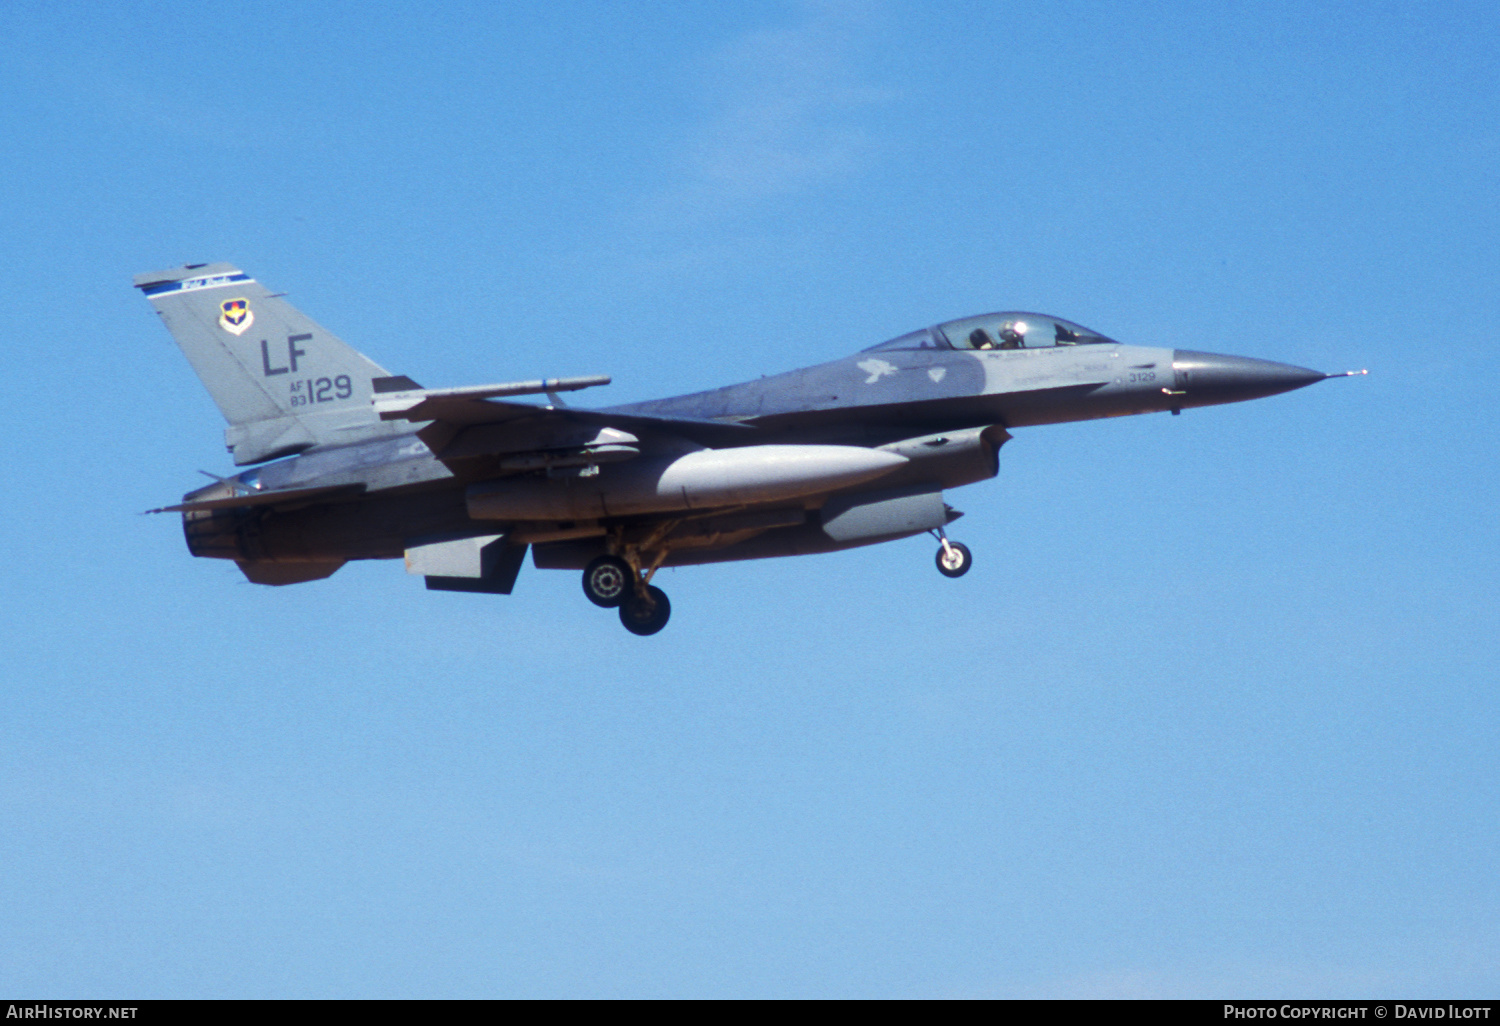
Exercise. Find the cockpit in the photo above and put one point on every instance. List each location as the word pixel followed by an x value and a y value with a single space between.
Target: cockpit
pixel 1016 330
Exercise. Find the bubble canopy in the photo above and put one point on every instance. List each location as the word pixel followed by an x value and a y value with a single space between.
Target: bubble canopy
pixel 1014 330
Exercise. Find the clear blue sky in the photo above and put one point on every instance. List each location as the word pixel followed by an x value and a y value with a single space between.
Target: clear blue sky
pixel 1216 712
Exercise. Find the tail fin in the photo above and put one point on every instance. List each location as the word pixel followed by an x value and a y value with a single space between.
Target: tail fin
pixel 283 383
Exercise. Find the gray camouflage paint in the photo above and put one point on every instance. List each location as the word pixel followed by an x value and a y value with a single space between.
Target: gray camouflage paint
pixel 359 487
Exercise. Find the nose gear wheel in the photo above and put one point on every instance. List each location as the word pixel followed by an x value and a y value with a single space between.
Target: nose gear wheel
pixel 954 558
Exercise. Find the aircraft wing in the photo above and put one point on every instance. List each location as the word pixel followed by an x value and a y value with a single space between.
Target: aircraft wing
pixel 401 399
pixel 469 422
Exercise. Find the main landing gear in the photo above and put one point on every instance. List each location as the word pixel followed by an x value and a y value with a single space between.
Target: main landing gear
pixel 606 580
pixel 645 614
pixel 616 582
pixel 953 558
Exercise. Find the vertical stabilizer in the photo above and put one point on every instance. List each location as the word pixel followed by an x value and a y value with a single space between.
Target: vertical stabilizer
pixel 283 382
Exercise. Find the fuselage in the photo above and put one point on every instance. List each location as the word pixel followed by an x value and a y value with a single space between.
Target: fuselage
pixel 874 399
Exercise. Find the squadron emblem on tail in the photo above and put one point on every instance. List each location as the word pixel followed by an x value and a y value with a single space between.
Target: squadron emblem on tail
pixel 235 316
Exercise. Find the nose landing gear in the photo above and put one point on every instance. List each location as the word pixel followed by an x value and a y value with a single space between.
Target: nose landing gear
pixel 953 558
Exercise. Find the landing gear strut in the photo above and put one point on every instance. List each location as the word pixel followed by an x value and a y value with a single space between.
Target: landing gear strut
pixel 953 558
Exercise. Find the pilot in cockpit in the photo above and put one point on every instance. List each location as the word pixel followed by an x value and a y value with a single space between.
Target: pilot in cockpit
pixel 1012 334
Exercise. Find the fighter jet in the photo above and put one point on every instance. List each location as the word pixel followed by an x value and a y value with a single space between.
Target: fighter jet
pixel 349 461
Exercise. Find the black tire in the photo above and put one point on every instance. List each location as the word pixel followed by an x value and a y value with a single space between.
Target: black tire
pixel 958 564
pixel 648 615
pixel 607 580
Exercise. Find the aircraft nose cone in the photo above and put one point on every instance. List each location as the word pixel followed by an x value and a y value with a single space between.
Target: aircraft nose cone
pixel 1214 378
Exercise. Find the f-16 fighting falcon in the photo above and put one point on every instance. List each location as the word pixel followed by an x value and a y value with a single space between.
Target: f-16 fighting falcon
pixel 349 461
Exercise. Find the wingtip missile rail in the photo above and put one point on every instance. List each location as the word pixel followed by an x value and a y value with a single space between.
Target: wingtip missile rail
pixel 412 403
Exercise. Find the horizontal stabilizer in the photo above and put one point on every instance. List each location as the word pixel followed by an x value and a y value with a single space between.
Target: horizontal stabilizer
pixel 286 495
